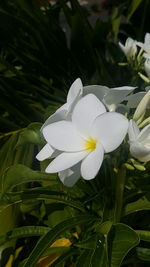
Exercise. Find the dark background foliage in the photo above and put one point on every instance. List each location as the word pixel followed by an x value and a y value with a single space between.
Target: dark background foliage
pixel 45 47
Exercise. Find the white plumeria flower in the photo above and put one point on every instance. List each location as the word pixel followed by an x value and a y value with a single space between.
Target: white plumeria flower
pixel 129 49
pixel 146 45
pixel 111 97
pixel 147 67
pixel 91 133
pixel 139 142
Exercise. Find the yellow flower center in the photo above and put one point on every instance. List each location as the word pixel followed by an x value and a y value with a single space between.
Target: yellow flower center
pixel 90 144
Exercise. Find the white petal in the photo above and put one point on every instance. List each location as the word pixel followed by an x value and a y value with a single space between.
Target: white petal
pixel 75 89
pixel 140 44
pixel 59 115
pixel 70 176
pixel 140 152
pixel 98 90
pixel 146 55
pixel 147 42
pixel 134 100
pixel 63 136
pixel 133 131
pixel 144 134
pixel 92 163
pixel 110 129
pixel 65 161
pixel 147 67
pixel 85 112
pixel 117 95
pixel 45 152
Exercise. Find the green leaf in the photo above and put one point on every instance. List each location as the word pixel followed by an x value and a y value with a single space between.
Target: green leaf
pixel 59 262
pixel 24 231
pixel 139 205
pixel 116 22
pixel 42 193
pixel 95 255
pixel 144 235
pixel 143 253
pixel 19 174
pixel 122 239
pixel 48 239
pixel 88 243
pixel 134 5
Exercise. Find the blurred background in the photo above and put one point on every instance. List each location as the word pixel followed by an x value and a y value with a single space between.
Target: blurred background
pixel 46 45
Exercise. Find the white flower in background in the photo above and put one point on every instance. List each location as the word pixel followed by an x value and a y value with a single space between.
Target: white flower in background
pixel 139 141
pixel 129 49
pixel 91 133
pixel 146 45
pixel 147 67
pixel 134 99
pixel 111 97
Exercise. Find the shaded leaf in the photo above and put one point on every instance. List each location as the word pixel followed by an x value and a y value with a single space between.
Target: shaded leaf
pixel 139 205
pixel 19 174
pixel 24 231
pixel 144 235
pixel 95 254
pixel 134 5
pixel 122 239
pixel 52 235
pixel 143 254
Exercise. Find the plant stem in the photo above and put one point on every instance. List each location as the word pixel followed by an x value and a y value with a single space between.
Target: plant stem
pixel 119 193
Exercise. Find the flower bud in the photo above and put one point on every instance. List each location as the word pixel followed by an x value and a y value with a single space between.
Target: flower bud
pixel 141 108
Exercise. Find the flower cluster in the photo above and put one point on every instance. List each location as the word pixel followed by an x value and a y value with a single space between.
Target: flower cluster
pixel 88 126
pixel 142 58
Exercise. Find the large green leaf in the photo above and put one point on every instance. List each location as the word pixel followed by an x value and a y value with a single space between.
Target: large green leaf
pixel 19 174
pixel 52 235
pixel 94 254
pixel 121 240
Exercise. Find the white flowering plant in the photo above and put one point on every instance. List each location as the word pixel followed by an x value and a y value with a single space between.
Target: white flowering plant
pixel 75 183
pixel 95 153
